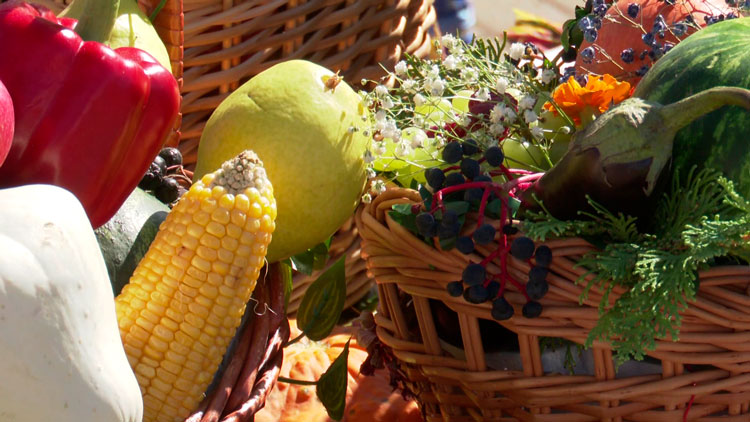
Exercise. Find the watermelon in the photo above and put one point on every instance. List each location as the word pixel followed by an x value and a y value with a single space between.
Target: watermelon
pixel 718 55
pixel 125 238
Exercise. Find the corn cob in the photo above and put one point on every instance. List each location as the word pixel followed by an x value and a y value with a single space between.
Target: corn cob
pixel 187 296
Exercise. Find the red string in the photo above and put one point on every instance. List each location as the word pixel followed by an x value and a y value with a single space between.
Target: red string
pixel 687 409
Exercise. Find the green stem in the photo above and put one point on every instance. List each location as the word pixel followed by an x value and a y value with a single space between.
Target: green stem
pixel 294 340
pixel 96 18
pixel 296 382
pixel 683 112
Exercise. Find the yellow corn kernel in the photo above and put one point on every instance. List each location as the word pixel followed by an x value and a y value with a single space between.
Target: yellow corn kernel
pixel 186 298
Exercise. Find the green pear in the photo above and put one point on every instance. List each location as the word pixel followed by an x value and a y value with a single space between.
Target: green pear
pixel 132 28
pixel 309 134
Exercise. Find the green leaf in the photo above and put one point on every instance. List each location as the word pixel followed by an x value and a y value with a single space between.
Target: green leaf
pixel 493 208
pixel 323 302
pixel 312 259
pixel 402 208
pixel 332 385
pixel 460 207
pixel 513 205
pixel 286 277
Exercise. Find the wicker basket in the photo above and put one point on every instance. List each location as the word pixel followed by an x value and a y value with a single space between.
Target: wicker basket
pixel 705 376
pixel 227 42
pixel 344 243
pixel 169 25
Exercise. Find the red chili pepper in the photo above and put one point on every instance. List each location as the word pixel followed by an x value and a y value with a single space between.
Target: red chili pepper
pixel 88 118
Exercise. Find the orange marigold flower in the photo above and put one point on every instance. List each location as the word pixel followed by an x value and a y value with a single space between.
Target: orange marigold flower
pixel 599 93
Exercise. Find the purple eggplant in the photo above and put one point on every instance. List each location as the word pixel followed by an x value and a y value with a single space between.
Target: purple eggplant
pixel 619 159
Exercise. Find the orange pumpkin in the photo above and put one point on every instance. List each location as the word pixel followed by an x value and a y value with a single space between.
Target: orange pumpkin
pixel 368 398
pixel 619 32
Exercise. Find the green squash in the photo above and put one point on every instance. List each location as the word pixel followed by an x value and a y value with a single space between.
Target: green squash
pixel 125 238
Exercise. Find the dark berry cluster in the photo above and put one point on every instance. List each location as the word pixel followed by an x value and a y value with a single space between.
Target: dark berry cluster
pixel 468 181
pixel 165 177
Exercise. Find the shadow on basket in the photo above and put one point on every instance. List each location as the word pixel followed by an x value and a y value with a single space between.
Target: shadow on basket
pixel 464 365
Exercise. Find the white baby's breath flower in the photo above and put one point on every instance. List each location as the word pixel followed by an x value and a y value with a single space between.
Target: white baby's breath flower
pixel 418 139
pixel 464 119
pixel 419 100
pixel 547 76
pixel 400 68
pixel 368 157
pixel 434 72
pixel 391 130
pixel 377 187
pixel 380 116
pixel 435 86
pixel 439 141
pixel 537 132
pixel 565 130
pixel 501 85
pixel 497 113
pixel 509 115
pixel 527 102
pixel 450 62
pixel 516 50
pixel 387 103
pixel 366 198
pixel 469 74
pixel 381 90
pixel 409 85
pixel 418 120
pixel 529 116
pixel 403 149
pixel 483 94
pixel 370 172
pixel 379 149
pixel 448 41
pixel 497 129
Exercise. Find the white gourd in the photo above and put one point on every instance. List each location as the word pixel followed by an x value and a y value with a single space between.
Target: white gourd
pixel 61 357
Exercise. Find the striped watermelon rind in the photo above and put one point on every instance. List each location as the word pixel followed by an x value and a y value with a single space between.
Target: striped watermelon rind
pixel 718 55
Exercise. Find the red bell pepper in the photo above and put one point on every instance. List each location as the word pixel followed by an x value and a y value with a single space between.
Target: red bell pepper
pixel 7 122
pixel 87 118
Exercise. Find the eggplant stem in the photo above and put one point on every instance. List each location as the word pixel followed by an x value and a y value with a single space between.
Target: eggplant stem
pixel 681 113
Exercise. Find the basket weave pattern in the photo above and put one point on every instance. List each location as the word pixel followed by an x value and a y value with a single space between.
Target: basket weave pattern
pixel 228 42
pixel 705 376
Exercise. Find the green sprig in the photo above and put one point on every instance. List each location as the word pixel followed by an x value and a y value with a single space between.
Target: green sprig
pixel 701 219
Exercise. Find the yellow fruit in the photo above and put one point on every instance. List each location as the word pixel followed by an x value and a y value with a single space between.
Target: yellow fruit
pixel 300 125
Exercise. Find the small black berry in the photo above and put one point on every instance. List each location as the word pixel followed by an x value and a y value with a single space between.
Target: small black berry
pixel 543 256
pixel 426 224
pixel 454 178
pixel 494 156
pixel 455 288
pixel 465 245
pixel 167 191
pixel 470 168
pixel 452 152
pixel 532 309
pixel 633 10
pixel 522 248
pixel 501 309
pixel 435 177
pixel 473 274
pixel 484 234
pixel 476 294
pixel 172 156
pixel 470 147
pixel 537 289
pixel 159 161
